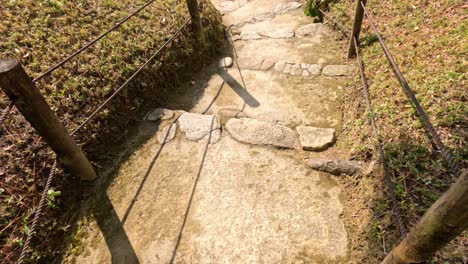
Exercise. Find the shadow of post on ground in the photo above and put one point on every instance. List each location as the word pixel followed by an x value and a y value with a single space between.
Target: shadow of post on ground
pixel 112 228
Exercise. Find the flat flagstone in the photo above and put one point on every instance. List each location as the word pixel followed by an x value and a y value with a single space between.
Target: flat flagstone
pixel 249 63
pixel 267 64
pixel 337 70
pixel 309 30
pixel 315 138
pixel 197 126
pixel 314 69
pixel 278 33
pixel 257 132
pixel 283 8
pixel 250 35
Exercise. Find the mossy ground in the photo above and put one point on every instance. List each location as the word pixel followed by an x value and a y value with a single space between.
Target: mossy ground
pixel 428 41
pixel 40 34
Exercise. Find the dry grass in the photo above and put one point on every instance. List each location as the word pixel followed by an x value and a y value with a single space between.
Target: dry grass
pixel 41 33
pixel 428 41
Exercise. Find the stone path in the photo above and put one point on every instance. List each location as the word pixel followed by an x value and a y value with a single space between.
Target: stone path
pixel 226 181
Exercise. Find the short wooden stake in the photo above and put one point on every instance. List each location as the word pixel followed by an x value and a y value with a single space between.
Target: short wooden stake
pixel 18 86
pixel 356 27
pixel 197 27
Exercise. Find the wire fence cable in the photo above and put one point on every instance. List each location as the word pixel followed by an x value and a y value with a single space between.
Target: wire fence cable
pixel 388 181
pixel 6 111
pixel 89 44
pixel 37 215
pixel 338 24
pixel 409 92
pixel 131 78
pixel 42 202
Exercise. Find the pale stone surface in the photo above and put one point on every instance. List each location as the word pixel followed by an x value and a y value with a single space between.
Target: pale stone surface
pixel 249 63
pixel 314 69
pixel 309 30
pixel 287 68
pixel 305 73
pixel 236 37
pixel 264 16
pixel 238 203
pixel 336 167
pixel 250 35
pixel 315 138
pixel 228 6
pixel 159 113
pixel 267 64
pixel 197 126
pixel 278 33
pixel 301 50
pixel 251 205
pixel 337 70
pixel 257 132
pixel 279 66
pixel 276 98
pixel 296 70
pixel 225 62
pixel 279 26
pixel 167 133
pixel 283 8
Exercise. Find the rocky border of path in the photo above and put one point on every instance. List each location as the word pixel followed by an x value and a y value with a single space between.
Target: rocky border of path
pixel 291 68
pixel 197 127
pixel 311 29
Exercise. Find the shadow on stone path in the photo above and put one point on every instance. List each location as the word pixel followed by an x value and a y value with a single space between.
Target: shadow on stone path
pixel 226 182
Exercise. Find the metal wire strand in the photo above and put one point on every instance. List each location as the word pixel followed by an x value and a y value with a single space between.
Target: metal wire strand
pixel 131 78
pixel 395 207
pixel 6 111
pixel 430 128
pixel 74 54
pixel 37 215
pixel 341 26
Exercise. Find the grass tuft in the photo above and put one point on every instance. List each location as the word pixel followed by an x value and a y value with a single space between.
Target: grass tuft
pixel 428 41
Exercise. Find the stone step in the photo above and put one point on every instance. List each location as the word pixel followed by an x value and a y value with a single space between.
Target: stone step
pixel 315 138
pixel 199 127
pixel 252 131
pixel 229 6
pixel 309 50
pixel 259 10
pixel 273 97
pixel 257 132
pixel 291 68
pixel 289 25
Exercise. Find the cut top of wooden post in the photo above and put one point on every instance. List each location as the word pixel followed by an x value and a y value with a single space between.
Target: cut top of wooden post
pixel 8 65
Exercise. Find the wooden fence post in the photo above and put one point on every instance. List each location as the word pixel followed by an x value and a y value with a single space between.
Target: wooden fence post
pixel 19 87
pixel 356 27
pixel 445 220
pixel 196 21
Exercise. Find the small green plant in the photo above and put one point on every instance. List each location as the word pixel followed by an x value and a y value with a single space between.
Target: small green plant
pixel 312 8
pixel 52 200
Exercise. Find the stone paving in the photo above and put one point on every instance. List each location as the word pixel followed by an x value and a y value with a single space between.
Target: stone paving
pixel 224 181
